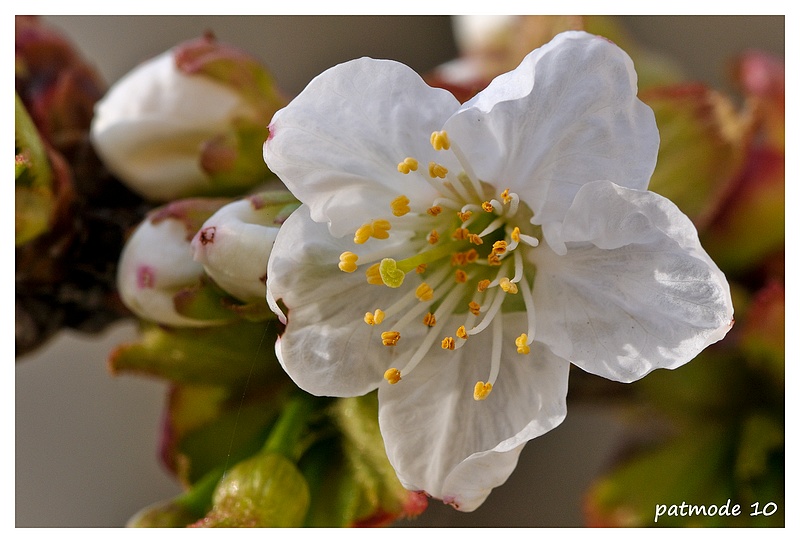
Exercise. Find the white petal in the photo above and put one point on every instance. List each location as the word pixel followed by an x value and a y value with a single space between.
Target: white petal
pixel 440 440
pixel 337 145
pixel 635 291
pixel 327 348
pixel 568 115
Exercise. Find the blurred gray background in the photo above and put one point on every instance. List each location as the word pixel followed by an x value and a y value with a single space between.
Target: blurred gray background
pixel 86 442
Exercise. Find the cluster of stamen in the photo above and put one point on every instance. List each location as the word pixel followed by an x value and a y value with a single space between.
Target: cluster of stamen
pixel 481 234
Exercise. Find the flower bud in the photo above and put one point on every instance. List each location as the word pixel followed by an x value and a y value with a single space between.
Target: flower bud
pixel 189 122
pixel 156 262
pixel 234 244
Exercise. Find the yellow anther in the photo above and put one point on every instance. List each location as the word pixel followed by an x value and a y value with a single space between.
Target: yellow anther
pixel 373 274
pixel 424 292
pixel 515 234
pixel 462 332
pixel 421 268
pixel 390 338
pixel 475 308
pixel 522 344
pixel 376 318
pixel 483 285
pixel 461 276
pixel 429 319
pixel 433 237
pixel 363 233
pixel 487 207
pixel 505 196
pixel 347 262
pixel 460 233
pixel 408 165
pixel 475 239
pixel 392 375
pixel 380 229
pixel 437 170
pixel 465 216
pixel 471 256
pixel 440 140
pixel 499 247
pixel 493 259
pixel 400 206
pixel 458 259
pixel 448 343
pixel 434 210
pixel 508 286
pixel 481 390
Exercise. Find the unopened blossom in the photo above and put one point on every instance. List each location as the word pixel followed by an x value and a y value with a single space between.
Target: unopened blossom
pixel 188 122
pixel 233 245
pixel 157 262
pixel 460 257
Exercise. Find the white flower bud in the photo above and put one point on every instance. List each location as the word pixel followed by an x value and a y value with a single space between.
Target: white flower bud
pixel 234 246
pixel 189 122
pixel 155 264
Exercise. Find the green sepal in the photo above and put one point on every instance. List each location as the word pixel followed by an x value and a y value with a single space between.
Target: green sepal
pixel 703 140
pixel 217 355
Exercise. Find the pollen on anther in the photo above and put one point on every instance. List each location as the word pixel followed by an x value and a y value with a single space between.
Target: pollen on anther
pixel 522 344
pixel 493 259
pixel 374 318
pixel 400 206
pixel 508 286
pixel 475 308
pixel 373 274
pixel 421 268
pixel 475 239
pixel 506 196
pixel 471 256
pixel 433 237
pixel 437 170
pixel 380 229
pixel 499 247
pixel 462 332
pixel 464 216
pixel 429 320
pixel 409 164
pixel 363 234
pixel 434 210
pixel 390 338
pixel 392 375
pixel 440 140
pixel 461 276
pixel 487 207
pixel 483 285
pixel 347 262
pixel 424 292
pixel 481 390
pixel 448 343
pixel 515 234
pixel 460 233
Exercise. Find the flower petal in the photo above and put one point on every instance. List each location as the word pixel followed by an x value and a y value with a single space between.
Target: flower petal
pixel 568 115
pixel 337 145
pixel 635 291
pixel 327 348
pixel 440 440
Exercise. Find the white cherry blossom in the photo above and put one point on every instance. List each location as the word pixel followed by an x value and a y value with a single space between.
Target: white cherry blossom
pixel 460 257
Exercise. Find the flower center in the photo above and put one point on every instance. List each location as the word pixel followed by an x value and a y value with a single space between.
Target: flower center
pixel 468 251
